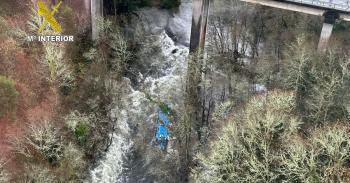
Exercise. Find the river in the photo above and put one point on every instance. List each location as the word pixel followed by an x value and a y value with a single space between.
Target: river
pixel 171 32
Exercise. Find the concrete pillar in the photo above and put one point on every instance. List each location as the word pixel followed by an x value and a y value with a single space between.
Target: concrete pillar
pixel 325 36
pixel 193 87
pixel 199 24
pixel 96 13
pixel 204 23
pixel 329 20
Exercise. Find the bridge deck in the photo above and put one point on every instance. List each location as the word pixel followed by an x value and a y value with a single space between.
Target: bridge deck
pixel 312 7
pixel 341 5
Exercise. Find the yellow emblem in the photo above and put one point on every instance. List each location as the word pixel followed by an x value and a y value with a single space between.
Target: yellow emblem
pixel 49 17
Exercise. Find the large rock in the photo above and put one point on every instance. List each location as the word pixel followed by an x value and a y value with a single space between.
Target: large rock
pixel 155 20
pixel 177 24
pixel 179 27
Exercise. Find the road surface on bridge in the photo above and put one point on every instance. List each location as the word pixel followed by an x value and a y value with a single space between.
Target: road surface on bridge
pixel 342 5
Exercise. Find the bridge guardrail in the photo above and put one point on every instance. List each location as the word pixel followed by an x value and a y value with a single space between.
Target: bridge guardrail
pixel 342 5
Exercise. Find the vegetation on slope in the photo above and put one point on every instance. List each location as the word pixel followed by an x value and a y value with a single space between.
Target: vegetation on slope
pixel 263 144
pixel 321 82
pixel 295 132
pixel 82 81
pixel 8 97
pixel 297 136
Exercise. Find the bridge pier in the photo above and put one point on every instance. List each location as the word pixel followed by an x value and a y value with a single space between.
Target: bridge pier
pixel 325 36
pixel 96 13
pixel 193 88
pixel 329 20
pixel 312 8
pixel 199 24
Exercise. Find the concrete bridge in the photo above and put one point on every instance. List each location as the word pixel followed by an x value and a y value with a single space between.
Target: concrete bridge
pixel 331 10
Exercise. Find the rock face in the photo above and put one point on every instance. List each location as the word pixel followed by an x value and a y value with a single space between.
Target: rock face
pixel 176 23
pixel 179 26
pixel 154 20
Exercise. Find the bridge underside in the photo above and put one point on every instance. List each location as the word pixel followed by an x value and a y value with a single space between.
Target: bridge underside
pixel 331 10
pixel 297 7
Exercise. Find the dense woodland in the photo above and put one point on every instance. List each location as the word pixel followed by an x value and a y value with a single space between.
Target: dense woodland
pixel 261 105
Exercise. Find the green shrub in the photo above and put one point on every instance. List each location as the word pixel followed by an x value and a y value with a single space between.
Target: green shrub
pixel 113 39
pixel 321 83
pixel 125 6
pixel 164 107
pixel 8 96
pixel 170 4
pixel 67 85
pixel 81 132
pixel 128 6
pixel 80 125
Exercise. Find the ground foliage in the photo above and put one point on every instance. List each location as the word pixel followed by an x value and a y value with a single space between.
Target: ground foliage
pixel 262 144
pixel 8 97
pixel 321 82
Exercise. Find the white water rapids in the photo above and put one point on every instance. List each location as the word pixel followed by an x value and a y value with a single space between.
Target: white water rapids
pixel 170 63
